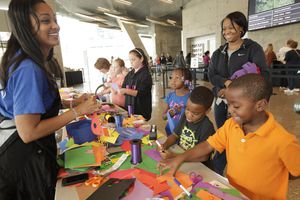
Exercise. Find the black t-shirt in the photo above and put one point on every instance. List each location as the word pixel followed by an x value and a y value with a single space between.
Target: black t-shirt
pixel 142 82
pixel 191 134
pixel 292 57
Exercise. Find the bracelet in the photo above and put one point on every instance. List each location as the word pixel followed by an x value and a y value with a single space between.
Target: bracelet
pixel 75 113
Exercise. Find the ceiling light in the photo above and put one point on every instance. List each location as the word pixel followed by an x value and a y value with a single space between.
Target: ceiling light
pixel 96 18
pixel 118 16
pixel 173 22
pixel 125 2
pixel 101 9
pixel 167 1
pixel 135 23
pixel 157 21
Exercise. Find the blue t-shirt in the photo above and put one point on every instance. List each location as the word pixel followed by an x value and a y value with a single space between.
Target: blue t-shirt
pixel 173 100
pixel 27 91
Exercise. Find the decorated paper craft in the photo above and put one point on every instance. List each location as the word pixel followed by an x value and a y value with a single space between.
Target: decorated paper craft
pixel 97 119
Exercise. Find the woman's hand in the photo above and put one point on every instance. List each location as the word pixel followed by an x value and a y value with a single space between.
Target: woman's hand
pixel 88 106
pixel 66 103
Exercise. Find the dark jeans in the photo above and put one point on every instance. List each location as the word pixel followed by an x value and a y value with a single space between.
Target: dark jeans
pixel 291 81
pixel 219 159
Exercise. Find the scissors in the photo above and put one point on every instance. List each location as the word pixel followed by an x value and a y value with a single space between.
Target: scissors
pixel 95 181
pixel 195 177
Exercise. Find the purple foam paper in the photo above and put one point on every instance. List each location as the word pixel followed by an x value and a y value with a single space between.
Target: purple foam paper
pixel 166 193
pixel 154 154
pixel 223 195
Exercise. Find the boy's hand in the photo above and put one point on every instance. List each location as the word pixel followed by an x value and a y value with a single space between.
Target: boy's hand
pixel 173 164
pixel 167 154
pixel 161 148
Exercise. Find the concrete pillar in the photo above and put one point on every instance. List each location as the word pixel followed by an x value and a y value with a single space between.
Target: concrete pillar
pixel 4 27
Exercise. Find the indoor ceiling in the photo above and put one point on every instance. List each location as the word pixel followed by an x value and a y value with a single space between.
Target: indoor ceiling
pixel 141 13
pixel 104 13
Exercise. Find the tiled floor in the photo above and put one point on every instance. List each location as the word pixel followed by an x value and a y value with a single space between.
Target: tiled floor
pixel 281 105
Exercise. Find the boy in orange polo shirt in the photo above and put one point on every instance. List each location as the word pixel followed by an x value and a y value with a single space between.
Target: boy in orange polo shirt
pixel 260 152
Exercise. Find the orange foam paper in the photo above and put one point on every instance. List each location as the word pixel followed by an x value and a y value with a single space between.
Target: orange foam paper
pixel 160 187
pixel 175 190
pixel 146 179
pixel 99 152
pixel 206 195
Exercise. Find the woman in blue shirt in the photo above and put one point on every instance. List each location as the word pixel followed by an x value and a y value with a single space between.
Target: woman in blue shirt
pixel 29 104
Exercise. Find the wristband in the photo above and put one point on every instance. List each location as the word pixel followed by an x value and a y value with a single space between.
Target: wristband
pixel 74 111
pixel 76 114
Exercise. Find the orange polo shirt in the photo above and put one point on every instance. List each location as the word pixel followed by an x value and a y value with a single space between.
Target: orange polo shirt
pixel 259 163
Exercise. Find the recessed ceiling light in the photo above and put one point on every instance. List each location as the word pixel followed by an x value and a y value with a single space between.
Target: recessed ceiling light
pixel 157 21
pixel 102 9
pixel 119 16
pixel 96 18
pixel 135 23
pixel 125 2
pixel 167 1
pixel 170 21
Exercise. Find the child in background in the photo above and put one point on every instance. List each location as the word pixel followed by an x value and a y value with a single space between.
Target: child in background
pixel 117 72
pixel 260 152
pixel 194 126
pixel 137 85
pixel 176 100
